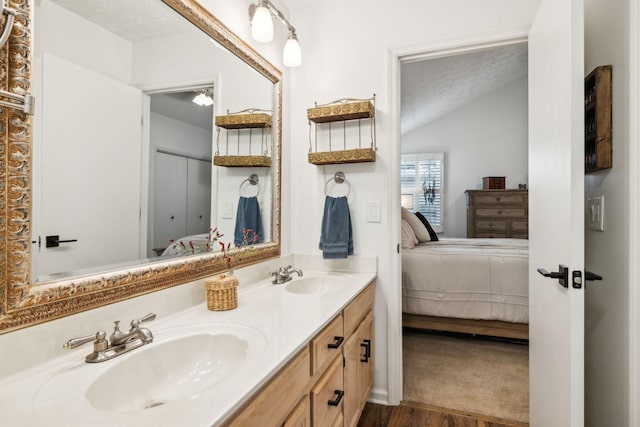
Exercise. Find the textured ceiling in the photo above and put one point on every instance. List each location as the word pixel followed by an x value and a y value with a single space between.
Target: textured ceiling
pixel 133 20
pixel 432 88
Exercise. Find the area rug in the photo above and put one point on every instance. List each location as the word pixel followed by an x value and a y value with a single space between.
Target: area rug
pixel 467 374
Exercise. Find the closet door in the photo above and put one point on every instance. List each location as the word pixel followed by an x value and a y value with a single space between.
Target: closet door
pixel 198 196
pixel 170 199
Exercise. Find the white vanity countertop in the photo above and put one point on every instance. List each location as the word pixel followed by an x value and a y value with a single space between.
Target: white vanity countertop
pixel 280 322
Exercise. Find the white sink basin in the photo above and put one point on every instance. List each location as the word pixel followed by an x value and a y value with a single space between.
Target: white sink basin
pixel 181 363
pixel 168 371
pixel 315 285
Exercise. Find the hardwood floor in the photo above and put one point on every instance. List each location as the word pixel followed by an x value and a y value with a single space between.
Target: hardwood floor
pixel 410 414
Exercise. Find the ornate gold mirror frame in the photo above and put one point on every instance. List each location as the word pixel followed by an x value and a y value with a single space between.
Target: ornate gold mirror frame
pixel 23 304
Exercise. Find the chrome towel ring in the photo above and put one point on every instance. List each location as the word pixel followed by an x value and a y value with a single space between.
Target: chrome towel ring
pixel 338 178
pixel 252 180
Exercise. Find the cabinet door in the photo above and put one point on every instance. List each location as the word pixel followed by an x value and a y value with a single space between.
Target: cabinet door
pixel 170 199
pixel 198 196
pixel 365 371
pixel 358 376
pixel 351 362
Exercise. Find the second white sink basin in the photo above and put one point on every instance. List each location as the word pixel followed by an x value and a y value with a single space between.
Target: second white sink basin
pixel 315 285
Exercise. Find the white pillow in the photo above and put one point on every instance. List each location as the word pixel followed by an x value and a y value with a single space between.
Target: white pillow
pixel 409 239
pixel 418 227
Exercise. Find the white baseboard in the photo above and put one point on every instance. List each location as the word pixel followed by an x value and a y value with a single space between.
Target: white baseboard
pixel 379 396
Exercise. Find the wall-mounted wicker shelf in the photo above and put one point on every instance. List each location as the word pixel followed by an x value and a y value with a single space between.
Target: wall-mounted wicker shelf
pixel 343 110
pixel 247 119
pixel 597 120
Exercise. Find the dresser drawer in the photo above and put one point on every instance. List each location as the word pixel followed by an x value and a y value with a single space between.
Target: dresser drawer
pixel 491 225
pixel 327 344
pixel 499 199
pixel 492 235
pixel 501 212
pixel 327 395
pixel 519 226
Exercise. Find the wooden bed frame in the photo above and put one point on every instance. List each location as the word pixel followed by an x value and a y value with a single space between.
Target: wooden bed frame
pixel 494 328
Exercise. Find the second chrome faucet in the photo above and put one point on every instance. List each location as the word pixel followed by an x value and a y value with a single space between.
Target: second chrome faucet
pixel 283 274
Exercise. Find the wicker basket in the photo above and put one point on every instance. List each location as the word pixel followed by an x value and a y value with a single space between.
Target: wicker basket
pixel 222 293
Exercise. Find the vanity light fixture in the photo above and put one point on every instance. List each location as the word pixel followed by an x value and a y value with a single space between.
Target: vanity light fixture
pixel 203 99
pixel 261 16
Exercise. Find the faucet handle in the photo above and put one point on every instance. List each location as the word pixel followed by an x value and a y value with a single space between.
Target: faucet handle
pixel 77 342
pixel 149 317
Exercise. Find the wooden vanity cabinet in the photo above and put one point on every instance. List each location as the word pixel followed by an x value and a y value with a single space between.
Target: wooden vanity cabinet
pixel 325 385
pixel 278 398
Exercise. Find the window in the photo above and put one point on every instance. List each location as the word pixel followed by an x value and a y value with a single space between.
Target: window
pixel 421 182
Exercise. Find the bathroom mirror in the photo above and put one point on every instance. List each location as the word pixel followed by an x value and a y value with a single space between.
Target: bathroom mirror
pixel 151 75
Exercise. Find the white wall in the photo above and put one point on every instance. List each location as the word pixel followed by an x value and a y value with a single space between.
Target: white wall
pixel 606 310
pixel 487 137
pixel 345 49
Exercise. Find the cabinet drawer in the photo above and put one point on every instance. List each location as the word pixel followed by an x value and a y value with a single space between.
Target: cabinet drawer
pixel 327 395
pixel 499 199
pixel 491 225
pixel 301 415
pixel 357 309
pixel 327 344
pixel 500 212
pixel 276 400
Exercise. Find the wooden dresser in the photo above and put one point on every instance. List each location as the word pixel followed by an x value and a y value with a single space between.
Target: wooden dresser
pixel 498 213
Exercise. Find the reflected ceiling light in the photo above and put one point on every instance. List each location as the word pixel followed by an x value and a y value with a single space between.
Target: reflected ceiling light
pixel 203 99
pixel 261 16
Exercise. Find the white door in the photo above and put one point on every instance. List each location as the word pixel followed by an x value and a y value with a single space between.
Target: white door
pixel 556 201
pixel 95 202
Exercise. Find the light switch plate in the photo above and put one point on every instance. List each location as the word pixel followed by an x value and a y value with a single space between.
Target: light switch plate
pixel 595 213
pixel 373 211
pixel 227 209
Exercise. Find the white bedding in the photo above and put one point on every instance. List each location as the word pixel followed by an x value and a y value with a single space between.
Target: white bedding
pixel 467 278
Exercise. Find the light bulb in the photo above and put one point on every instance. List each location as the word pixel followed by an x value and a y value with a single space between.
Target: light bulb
pixel 262 24
pixel 292 57
pixel 202 100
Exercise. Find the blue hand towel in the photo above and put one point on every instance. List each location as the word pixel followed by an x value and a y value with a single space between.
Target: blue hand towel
pixel 336 240
pixel 248 218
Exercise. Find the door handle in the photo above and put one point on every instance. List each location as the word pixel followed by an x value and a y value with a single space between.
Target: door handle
pixel 54 241
pixel 562 274
pixel 588 275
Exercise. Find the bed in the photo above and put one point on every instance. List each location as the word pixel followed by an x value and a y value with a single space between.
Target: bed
pixel 467 285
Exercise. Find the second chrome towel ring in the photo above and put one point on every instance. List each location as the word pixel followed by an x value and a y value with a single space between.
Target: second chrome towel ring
pixel 252 180
pixel 338 178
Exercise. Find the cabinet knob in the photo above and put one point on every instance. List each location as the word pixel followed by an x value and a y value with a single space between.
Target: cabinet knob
pixel 497 199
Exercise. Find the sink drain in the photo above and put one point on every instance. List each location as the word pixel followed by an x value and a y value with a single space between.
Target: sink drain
pixel 153 404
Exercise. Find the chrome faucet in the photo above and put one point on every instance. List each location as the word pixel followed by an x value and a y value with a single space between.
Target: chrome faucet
pixel 283 274
pixel 119 342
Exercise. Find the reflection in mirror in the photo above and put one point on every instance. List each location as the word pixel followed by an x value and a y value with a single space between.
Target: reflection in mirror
pixel 121 160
